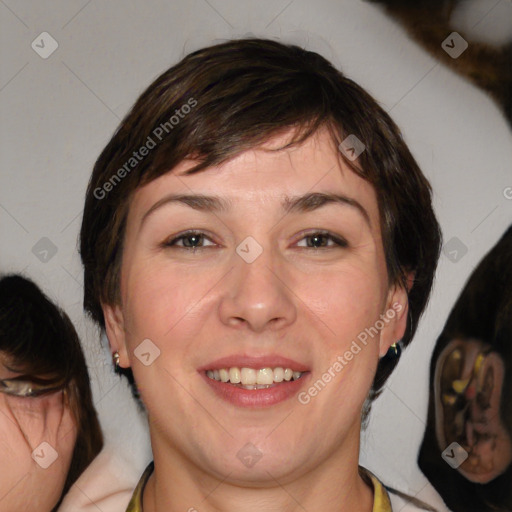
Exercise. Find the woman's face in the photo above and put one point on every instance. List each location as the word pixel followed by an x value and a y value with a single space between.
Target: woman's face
pixel 37 442
pixel 284 269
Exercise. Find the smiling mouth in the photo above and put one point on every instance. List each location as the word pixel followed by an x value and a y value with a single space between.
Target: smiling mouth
pixel 250 378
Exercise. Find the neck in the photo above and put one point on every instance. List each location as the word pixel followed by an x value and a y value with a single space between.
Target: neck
pixel 178 485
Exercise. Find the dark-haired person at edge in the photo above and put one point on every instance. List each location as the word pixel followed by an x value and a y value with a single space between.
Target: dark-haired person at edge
pixel 49 427
pixel 258 245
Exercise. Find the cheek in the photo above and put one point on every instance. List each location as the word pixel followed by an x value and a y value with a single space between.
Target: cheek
pixel 161 297
pixel 25 424
pixel 158 295
pixel 349 305
pixel 16 461
pixel 348 301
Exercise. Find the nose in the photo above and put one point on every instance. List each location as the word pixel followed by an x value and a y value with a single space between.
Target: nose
pixel 258 295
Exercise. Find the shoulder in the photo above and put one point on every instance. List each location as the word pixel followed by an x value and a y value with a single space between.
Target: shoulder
pixel 107 484
pixel 387 499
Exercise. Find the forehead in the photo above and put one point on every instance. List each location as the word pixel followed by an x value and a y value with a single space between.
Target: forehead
pixel 261 177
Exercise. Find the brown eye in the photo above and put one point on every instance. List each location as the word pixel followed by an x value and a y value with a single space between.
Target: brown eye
pixel 190 240
pixel 321 239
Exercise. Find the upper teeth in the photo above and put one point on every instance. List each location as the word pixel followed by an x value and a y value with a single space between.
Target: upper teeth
pixel 250 376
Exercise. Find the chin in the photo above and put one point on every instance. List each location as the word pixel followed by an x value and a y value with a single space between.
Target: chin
pixel 249 464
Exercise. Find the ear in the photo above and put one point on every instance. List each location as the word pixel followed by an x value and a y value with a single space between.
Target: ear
pixel 116 334
pixel 395 315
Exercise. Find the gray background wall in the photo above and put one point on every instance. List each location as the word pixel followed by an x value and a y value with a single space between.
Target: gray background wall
pixel 58 113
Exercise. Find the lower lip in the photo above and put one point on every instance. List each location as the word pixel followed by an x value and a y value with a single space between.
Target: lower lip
pixel 256 398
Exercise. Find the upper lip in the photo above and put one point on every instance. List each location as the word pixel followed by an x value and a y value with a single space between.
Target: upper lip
pixel 255 362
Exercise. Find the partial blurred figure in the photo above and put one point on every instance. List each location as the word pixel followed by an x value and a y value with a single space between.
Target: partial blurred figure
pixel 470 408
pixel 49 430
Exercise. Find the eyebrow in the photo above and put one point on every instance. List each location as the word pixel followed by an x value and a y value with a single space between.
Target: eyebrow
pixel 295 204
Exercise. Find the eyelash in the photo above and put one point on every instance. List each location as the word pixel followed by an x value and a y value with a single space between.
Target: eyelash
pixel 338 241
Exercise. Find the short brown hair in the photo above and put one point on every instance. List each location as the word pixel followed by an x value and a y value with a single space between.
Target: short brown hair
pixel 234 96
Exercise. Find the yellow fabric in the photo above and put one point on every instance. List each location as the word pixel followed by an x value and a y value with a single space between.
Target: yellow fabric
pixel 381 501
pixel 135 504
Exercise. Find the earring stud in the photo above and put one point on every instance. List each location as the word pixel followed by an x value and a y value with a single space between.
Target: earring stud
pixel 395 349
pixel 115 360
